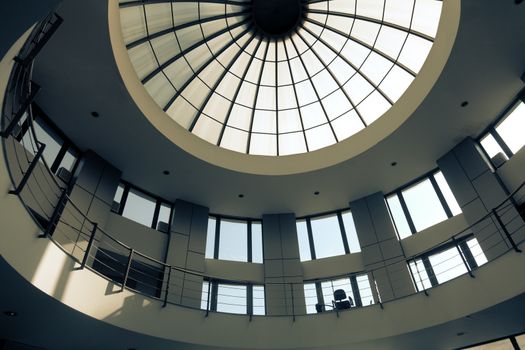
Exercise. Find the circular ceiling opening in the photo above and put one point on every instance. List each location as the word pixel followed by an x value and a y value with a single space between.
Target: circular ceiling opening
pixel 280 77
pixel 276 18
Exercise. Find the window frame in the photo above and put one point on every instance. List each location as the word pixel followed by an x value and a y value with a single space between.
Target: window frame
pixel 339 214
pixel 158 203
pixel 399 193
pixel 249 241
pixel 491 129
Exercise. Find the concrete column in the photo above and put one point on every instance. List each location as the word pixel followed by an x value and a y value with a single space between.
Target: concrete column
pixel 95 183
pixel 186 248
pixel 283 272
pixel 382 253
pixel 478 190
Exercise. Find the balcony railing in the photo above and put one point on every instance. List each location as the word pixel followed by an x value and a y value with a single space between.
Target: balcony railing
pixel 47 199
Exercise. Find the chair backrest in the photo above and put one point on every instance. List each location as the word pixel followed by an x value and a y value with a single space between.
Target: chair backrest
pixel 339 295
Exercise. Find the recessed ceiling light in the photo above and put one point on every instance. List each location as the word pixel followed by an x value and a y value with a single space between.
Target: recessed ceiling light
pixel 464 104
pixel 517 2
pixel 459 334
pixel 166 172
pixel 95 114
pixel 316 193
pixel 10 313
pixel 241 195
pixel 393 163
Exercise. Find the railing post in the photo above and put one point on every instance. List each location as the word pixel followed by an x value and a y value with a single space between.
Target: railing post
pixel 42 42
pixel 462 257
pixel 29 170
pixel 166 292
pixel 379 301
pixel 293 302
pixel 50 229
pixel 21 110
pixel 208 302
pixel 128 266
pixel 90 244
pixel 506 231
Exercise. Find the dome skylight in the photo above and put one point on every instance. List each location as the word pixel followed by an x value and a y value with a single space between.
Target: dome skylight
pixel 277 77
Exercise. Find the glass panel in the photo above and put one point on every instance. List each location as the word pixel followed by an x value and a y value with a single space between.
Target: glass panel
pixel 504 344
pixel 210 238
pixel 420 275
pixel 164 213
pixel 139 207
pixel 258 300
pixel 327 236
pixel 118 196
pixel 491 146
pixel 52 141
pixel 69 160
pixel 398 216
pixel 511 128
pixel 365 290
pixel 231 298
pixel 204 295
pixel 351 233
pixel 447 265
pixel 302 237
pixel 310 297
pixel 233 241
pixel 257 244
pixel 423 205
pixel 477 252
pixel 447 193
pixel 329 287
pixel 521 340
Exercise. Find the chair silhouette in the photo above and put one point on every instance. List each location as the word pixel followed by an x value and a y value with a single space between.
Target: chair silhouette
pixel 340 302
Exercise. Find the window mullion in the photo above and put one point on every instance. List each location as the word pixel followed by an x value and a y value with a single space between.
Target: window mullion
pixel 406 212
pixel 440 196
pixel 343 232
pixel 310 238
pixel 501 142
pixel 217 238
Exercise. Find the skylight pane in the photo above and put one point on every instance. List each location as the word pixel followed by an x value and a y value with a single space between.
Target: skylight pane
pixel 370 48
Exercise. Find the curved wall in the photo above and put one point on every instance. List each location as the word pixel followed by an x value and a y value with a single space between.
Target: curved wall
pixel 49 269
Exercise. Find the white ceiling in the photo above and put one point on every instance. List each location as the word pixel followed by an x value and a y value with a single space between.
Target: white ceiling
pixel 78 74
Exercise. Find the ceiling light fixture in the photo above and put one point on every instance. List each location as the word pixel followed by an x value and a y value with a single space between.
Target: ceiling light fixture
pixel 464 104
pixel 393 164
pixel 316 193
pixel 95 114
pixel 10 313
pixel 241 195
pixel 166 172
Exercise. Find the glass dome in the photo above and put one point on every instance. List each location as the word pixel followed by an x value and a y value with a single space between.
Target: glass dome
pixel 277 77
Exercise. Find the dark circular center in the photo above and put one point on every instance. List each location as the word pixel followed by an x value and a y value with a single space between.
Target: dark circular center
pixel 276 17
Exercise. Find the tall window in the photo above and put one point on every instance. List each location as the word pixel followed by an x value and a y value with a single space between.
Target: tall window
pixel 234 240
pixel 506 136
pixel 142 208
pixel 327 235
pixel 421 205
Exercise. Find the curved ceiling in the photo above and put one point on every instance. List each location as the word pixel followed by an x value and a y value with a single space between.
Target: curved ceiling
pixel 484 68
pixel 280 77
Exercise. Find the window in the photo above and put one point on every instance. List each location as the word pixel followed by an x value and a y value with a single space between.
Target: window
pixel 444 263
pixel 139 207
pixel 356 287
pixel 506 136
pixel 234 240
pixel 328 235
pixel 233 298
pixel 421 205
pixel 142 208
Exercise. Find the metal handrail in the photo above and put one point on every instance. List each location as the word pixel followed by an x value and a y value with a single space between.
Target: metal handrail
pixel 23 70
